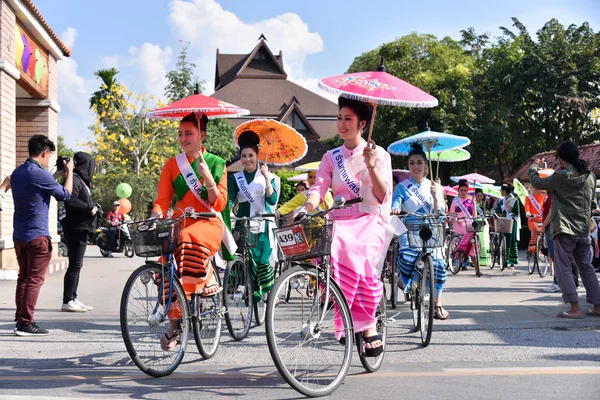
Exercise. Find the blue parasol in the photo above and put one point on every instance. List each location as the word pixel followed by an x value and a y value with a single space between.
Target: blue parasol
pixel 432 141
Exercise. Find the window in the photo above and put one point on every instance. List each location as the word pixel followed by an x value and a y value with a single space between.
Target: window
pixel 296 122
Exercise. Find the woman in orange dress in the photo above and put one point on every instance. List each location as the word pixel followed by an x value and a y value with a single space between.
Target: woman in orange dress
pixel 200 238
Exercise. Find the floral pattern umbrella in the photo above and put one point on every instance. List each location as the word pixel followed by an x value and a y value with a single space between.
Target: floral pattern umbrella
pixel 280 144
pixel 377 87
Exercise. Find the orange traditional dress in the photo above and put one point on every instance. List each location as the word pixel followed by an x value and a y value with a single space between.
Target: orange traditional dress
pixel 200 238
pixel 534 206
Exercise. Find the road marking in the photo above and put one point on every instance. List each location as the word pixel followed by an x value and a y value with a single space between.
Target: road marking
pixel 447 372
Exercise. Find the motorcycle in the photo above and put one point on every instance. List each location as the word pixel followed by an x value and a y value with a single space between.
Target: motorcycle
pixel 124 244
pixel 63 250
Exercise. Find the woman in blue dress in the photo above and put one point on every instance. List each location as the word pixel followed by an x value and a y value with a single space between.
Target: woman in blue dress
pixel 418 194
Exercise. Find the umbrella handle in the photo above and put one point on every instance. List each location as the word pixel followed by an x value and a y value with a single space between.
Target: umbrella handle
pixel 372 122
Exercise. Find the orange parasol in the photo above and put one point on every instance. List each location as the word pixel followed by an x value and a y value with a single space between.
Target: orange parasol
pixel 280 144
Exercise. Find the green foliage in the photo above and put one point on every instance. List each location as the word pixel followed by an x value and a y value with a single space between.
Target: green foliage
pixel 62 149
pixel 288 189
pixel 219 138
pixel 108 81
pixel 143 193
pixel 182 80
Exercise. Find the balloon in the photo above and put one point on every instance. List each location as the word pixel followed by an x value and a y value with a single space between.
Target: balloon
pixel 124 190
pixel 125 205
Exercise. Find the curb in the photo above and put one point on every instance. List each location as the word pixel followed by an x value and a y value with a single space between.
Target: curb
pixel 56 265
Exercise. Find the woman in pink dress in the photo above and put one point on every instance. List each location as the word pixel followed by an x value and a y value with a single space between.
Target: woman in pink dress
pixel 357 169
pixel 464 206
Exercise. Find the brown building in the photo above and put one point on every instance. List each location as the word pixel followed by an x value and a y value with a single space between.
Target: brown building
pixel 28 103
pixel 258 82
pixel 589 153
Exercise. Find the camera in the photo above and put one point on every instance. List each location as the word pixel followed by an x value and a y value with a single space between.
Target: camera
pixel 61 161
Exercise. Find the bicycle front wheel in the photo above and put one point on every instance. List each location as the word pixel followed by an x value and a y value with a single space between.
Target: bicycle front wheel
pixel 144 319
pixel 426 300
pixel 237 296
pixel 494 259
pixel 541 255
pixel 393 273
pixel 260 311
pixel 476 261
pixel 304 334
pixel 456 259
pixel 502 254
pixel 372 364
pixel 207 321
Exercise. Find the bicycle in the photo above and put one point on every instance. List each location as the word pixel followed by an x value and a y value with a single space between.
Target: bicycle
pixel 541 256
pixel 498 250
pixel 389 272
pixel 238 286
pixel 460 259
pixel 153 290
pixel 310 338
pixel 425 232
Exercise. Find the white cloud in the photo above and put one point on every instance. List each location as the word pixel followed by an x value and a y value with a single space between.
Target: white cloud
pixel 147 64
pixel 74 92
pixel 68 37
pixel 207 26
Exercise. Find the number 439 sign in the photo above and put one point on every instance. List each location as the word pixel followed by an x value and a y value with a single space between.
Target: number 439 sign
pixel 292 241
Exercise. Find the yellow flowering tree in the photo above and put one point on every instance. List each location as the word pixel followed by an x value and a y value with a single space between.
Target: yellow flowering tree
pixel 126 142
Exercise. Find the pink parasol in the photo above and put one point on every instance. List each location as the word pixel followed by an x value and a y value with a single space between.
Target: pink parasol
pixel 198 104
pixel 474 177
pixel 401 174
pixel 378 87
pixel 449 191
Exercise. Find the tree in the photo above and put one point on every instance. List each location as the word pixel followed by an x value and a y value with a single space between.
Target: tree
pixel 439 67
pixel 219 138
pixel 62 149
pixel 108 81
pixel 182 80
pixel 126 141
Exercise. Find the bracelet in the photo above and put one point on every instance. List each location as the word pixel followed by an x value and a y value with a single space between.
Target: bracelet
pixel 211 186
pixel 372 167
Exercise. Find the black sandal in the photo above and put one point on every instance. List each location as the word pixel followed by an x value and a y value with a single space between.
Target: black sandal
pixel 373 351
pixel 439 313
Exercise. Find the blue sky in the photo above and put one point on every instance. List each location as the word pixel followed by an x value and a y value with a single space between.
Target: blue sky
pixel 318 38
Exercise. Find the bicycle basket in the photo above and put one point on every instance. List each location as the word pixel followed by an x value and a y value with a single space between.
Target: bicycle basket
pixel 305 240
pixel 503 225
pixel 414 226
pixel 246 235
pixel 474 224
pixel 156 237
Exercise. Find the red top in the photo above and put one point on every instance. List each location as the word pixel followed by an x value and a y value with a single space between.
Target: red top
pixel 114 218
pixel 547 206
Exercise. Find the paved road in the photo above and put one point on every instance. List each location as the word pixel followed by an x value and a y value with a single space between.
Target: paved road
pixel 503 341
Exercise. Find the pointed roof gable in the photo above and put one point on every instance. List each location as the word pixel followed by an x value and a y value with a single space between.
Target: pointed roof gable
pixel 261 59
pixel 260 63
pixel 294 112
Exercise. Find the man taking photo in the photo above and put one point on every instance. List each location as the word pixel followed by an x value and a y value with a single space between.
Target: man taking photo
pixel 32 186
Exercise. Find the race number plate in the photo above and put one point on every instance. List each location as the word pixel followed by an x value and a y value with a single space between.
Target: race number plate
pixel 292 241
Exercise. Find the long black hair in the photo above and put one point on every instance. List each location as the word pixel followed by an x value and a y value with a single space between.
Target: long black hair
pixel 569 152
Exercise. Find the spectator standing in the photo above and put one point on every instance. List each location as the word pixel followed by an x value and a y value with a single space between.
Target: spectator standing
pixel 79 221
pixel 573 190
pixel 32 186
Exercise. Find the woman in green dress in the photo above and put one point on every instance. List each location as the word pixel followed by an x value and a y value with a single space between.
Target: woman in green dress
pixel 484 235
pixel 253 189
pixel 508 206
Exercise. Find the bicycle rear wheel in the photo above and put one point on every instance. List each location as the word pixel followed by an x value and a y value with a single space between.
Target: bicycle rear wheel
pixel 494 246
pixel 477 246
pixel 260 311
pixel 426 300
pixel 207 328
pixel 144 320
pixel 502 254
pixel 541 255
pixel 393 275
pixel 372 364
pixel 237 296
pixel 303 334
pixel 456 259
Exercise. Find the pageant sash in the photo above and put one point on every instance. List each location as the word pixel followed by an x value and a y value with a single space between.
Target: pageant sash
pixel 254 194
pixel 417 198
pixel 343 169
pixel 536 205
pixel 196 188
